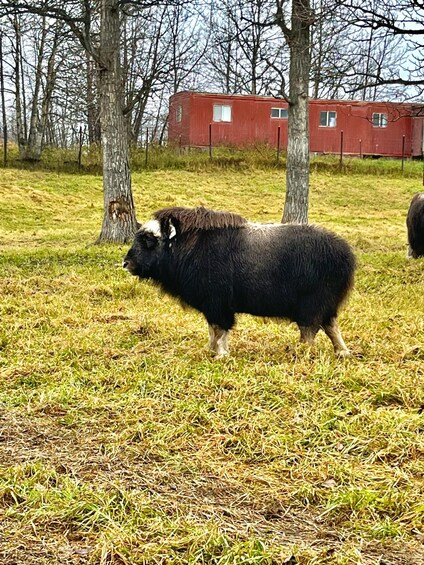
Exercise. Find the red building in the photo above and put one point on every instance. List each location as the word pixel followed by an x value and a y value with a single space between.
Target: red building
pixel 364 128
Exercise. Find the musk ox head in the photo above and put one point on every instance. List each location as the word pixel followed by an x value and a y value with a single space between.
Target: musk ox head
pixel 150 242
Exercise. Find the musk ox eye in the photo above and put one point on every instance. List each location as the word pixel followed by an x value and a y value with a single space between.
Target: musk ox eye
pixel 149 241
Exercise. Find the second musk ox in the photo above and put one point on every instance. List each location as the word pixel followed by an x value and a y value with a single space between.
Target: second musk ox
pixel 415 226
pixel 221 264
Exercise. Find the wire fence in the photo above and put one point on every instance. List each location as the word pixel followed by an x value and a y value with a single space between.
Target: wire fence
pixel 150 154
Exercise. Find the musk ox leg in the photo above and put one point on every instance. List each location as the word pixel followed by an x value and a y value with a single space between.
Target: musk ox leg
pixel 307 334
pixel 410 254
pixel 218 340
pixel 333 332
pixel 212 338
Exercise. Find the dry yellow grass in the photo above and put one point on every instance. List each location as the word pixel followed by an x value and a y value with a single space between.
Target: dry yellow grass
pixel 122 441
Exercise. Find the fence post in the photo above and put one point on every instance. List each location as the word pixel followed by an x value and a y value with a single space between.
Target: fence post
pixel 147 148
pixel 341 150
pixel 5 144
pixel 278 144
pixel 80 148
pixel 3 106
pixel 403 153
pixel 360 148
pixel 210 141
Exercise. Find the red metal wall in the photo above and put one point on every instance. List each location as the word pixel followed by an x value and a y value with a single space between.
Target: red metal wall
pixel 250 120
pixel 251 123
pixel 417 135
pixel 179 132
pixel 360 136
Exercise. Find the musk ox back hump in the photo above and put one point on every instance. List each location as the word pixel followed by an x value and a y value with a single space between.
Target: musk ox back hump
pixel 415 226
pixel 293 266
pixel 190 219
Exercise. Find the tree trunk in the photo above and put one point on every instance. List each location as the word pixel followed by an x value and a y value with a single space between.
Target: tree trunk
pixel 368 61
pixel 317 40
pixel 3 102
pixel 119 221
pixel 48 91
pixel 18 94
pixel 94 135
pixel 297 175
pixel 33 146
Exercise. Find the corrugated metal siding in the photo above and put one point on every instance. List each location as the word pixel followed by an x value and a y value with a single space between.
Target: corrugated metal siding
pixel 179 132
pixel 359 133
pixel 417 136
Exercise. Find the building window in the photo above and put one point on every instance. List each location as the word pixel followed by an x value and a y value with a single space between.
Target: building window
pixel 221 113
pixel 279 113
pixel 379 120
pixel 327 119
pixel 179 113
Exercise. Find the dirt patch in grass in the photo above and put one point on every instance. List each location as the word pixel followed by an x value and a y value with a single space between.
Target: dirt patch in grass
pixel 41 447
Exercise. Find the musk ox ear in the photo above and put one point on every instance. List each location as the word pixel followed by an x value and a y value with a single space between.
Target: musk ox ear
pixel 172 230
pixel 169 228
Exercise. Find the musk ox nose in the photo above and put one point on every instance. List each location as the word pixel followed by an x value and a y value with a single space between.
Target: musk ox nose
pixel 128 264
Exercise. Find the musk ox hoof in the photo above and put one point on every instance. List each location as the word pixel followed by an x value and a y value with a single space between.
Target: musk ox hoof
pixel 342 353
pixel 222 355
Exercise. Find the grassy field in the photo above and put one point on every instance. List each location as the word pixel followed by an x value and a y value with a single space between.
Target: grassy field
pixel 123 442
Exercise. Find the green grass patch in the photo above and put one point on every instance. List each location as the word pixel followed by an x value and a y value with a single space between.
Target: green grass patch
pixel 123 441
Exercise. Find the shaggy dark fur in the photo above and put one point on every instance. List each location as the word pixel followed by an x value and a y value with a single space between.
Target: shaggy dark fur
pixel 190 219
pixel 415 226
pixel 220 264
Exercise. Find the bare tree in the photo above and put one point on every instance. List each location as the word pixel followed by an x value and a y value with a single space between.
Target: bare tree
pixel 161 49
pixel 3 101
pixel 119 220
pixel 329 44
pixel 343 56
pixel 294 21
pixel 20 104
pixel 402 21
pixel 188 43
pixel 223 57
pixel 93 106
pixel 146 63
pixel 33 143
pixel 297 36
pixel 246 49
pixel 43 86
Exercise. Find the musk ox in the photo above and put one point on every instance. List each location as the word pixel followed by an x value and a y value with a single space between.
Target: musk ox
pixel 415 226
pixel 221 264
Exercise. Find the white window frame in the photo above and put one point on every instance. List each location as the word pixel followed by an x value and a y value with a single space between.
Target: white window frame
pixel 222 113
pixel 330 120
pixel 178 113
pixel 379 120
pixel 283 113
